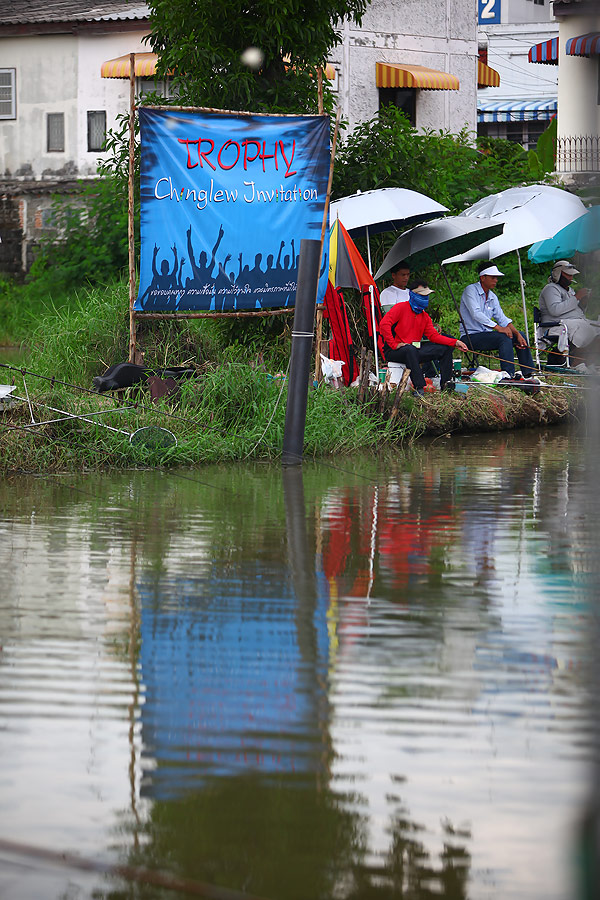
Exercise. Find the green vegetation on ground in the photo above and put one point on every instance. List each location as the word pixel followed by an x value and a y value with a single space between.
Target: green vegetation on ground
pixel 71 314
pixel 232 409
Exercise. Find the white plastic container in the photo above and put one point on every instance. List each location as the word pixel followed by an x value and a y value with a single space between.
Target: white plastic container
pixel 396 370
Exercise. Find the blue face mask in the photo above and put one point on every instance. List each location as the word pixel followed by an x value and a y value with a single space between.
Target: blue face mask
pixel 418 303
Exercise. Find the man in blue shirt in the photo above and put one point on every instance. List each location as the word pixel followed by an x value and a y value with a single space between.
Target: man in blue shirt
pixel 488 328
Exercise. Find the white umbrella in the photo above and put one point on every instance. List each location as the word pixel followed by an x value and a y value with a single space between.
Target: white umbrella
pixel 385 209
pixel 531 213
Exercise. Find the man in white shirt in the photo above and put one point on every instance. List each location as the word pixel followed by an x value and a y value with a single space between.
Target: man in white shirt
pixel 398 291
pixel 487 326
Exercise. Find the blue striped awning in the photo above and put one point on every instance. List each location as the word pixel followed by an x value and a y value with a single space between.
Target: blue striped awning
pixel 546 52
pixel 517 110
pixel 584 45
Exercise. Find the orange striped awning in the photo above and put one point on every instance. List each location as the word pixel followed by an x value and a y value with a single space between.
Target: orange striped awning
pixel 145 66
pixel 486 76
pixel 389 75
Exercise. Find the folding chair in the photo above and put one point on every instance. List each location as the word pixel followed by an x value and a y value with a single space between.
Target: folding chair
pixel 551 338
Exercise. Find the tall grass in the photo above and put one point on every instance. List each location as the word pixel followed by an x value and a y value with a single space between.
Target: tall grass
pixel 233 409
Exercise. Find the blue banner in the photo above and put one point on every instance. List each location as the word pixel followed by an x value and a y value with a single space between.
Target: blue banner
pixel 225 201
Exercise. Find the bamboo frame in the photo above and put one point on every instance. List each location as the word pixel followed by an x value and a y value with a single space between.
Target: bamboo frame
pixel 206 314
pixel 135 315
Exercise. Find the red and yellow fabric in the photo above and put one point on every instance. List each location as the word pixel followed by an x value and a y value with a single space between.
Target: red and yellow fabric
pixel 347 268
pixel 486 76
pixel 145 66
pixel 388 75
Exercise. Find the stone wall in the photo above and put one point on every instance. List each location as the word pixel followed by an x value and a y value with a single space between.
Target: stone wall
pixel 25 216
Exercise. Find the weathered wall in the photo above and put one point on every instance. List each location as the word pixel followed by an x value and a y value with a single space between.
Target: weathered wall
pixel 578 81
pixel 54 73
pixel 60 73
pixel 439 35
pixel 25 217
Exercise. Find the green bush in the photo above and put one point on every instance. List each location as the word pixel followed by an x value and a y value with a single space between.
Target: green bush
pixel 87 243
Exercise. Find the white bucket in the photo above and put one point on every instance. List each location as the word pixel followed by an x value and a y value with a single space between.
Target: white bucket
pixel 396 371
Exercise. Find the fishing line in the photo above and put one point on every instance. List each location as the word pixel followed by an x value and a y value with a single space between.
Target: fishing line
pixel 126 404
pixel 199 481
pixel 511 361
pixel 283 382
pixel 28 429
pixel 205 426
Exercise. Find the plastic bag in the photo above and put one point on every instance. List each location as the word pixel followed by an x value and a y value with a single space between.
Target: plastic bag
pixel 487 376
pixel 332 371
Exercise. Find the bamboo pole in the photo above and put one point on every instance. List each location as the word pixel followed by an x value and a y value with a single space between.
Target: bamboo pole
pixel 320 89
pixel 319 338
pixel 130 228
pixel 246 313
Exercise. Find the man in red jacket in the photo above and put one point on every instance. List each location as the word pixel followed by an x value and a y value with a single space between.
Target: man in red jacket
pixel 402 330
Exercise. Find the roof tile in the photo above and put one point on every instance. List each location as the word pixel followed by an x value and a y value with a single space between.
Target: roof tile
pixel 27 12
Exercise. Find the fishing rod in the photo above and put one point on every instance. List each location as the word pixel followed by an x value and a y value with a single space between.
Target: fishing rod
pixel 133 874
pixel 126 404
pixel 511 361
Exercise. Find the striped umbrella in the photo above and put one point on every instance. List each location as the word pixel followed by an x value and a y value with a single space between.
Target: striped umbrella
pixel 346 266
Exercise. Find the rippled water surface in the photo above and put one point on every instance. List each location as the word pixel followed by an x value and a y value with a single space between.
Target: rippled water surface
pixel 364 679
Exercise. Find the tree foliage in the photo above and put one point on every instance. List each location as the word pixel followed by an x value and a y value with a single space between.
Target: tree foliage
pixel 388 152
pixel 201 43
pixel 87 243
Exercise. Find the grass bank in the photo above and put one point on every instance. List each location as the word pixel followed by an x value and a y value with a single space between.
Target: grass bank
pixel 233 409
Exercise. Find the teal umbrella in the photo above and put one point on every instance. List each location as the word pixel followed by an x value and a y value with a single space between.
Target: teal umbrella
pixel 580 236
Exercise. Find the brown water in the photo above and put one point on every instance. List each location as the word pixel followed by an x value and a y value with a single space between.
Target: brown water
pixel 359 680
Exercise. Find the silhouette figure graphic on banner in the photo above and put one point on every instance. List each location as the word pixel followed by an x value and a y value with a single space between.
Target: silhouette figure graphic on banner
pixel 224 288
pixel 163 282
pixel 202 269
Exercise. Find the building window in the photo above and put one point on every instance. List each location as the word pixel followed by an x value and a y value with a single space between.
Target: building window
pixel 524 133
pixel 404 98
pixel 8 94
pixel 539 2
pixel 164 89
pixel 56 132
pixel 96 129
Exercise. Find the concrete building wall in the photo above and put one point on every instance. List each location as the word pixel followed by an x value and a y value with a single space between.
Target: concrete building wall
pixel 579 81
pixel 521 12
pixel 439 35
pixel 59 74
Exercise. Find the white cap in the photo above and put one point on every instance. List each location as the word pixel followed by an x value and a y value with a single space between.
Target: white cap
pixel 424 291
pixel 491 270
pixel 565 266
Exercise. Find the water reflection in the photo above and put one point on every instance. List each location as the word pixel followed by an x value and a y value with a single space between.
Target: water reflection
pixel 362 680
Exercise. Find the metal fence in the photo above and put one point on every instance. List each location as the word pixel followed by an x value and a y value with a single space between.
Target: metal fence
pixel 579 153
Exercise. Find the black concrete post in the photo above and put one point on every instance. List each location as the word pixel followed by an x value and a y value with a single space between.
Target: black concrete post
pixel 302 338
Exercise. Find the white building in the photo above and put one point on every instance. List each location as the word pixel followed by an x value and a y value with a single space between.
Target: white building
pixel 57 103
pixel 521 107
pixel 578 145
pixel 55 107
pixel 422 56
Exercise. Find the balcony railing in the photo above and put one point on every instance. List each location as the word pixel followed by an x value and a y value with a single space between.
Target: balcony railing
pixel 578 153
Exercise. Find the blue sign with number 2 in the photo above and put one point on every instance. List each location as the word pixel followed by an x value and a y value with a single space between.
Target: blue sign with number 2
pixel 489 12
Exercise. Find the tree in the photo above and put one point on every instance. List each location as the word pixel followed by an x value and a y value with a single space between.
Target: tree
pixel 451 168
pixel 202 45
